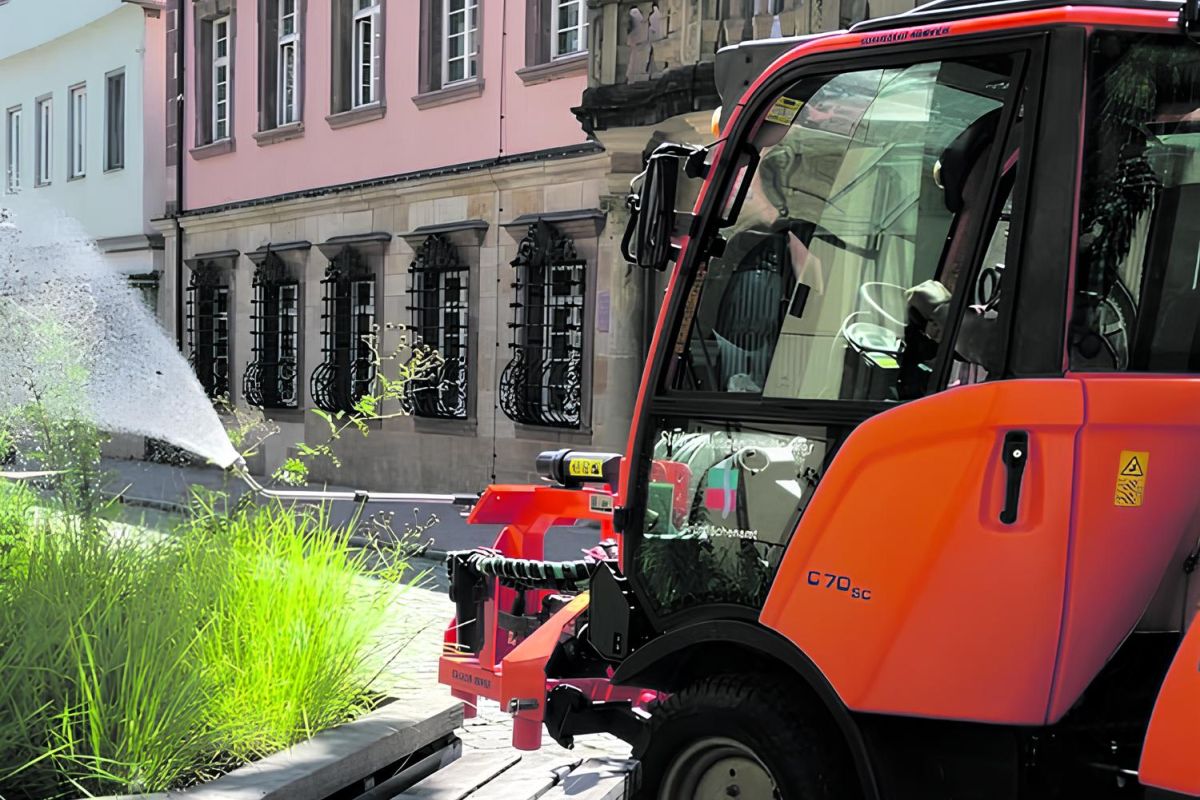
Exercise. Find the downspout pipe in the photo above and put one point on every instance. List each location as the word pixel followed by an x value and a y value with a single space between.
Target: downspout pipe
pixel 180 155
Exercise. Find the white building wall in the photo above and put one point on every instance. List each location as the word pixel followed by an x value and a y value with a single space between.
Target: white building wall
pixel 46 48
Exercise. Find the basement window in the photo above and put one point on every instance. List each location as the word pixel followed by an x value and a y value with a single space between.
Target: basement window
pixel 440 305
pixel 542 383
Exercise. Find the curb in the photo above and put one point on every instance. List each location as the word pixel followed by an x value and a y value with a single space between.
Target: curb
pixel 342 761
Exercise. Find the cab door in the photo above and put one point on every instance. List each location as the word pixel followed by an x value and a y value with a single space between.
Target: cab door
pixel 843 440
pixel 1135 347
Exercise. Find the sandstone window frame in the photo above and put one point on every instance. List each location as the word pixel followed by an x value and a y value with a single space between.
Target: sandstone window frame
pixel 443 297
pixel 351 305
pixel 349 65
pixel 434 87
pixel 539 388
pixel 272 377
pixel 276 44
pixel 209 319
pixel 542 61
pixel 210 17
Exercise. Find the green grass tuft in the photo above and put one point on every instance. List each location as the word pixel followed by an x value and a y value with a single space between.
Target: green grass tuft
pixel 143 663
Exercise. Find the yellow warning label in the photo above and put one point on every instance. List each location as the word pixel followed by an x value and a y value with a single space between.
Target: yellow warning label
pixel 784 111
pixel 1131 478
pixel 585 468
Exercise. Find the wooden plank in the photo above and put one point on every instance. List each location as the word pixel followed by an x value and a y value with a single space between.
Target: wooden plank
pixel 537 774
pixel 597 779
pixel 339 757
pixel 462 777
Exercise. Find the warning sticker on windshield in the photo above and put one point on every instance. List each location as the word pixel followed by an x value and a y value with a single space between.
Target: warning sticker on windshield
pixel 1131 478
pixel 784 111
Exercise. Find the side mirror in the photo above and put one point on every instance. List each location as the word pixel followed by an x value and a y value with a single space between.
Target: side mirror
pixel 651 202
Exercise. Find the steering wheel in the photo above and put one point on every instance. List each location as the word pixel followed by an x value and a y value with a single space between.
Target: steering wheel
pixel 869 337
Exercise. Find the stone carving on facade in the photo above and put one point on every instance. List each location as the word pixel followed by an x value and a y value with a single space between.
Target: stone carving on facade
pixel 643 31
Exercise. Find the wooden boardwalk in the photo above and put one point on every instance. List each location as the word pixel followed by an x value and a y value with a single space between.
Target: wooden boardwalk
pixel 527 776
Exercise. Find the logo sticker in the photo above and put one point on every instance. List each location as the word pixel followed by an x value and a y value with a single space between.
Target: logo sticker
pixel 1131 478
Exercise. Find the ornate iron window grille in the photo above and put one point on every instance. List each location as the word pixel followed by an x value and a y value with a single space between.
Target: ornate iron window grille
pixel 439 292
pixel 208 327
pixel 270 378
pixel 542 383
pixel 348 369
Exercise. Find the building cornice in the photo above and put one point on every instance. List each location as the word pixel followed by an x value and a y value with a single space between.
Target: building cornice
pixel 390 182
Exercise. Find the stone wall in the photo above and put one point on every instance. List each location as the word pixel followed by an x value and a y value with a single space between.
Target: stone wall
pixel 423 454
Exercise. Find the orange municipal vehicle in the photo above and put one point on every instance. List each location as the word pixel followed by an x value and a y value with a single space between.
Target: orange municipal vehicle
pixel 910 506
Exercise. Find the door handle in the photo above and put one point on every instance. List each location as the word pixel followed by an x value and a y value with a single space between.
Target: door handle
pixel 1014 455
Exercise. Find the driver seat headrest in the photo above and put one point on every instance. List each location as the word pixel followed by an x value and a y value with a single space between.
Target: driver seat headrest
pixel 961 156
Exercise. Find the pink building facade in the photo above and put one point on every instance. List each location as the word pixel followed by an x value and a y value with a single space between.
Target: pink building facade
pixel 410 169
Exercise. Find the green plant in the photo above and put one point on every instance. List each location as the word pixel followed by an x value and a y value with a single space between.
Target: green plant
pixel 395 370
pixel 287 644
pixel 143 662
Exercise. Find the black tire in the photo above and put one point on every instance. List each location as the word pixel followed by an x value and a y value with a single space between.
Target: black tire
pixel 712 727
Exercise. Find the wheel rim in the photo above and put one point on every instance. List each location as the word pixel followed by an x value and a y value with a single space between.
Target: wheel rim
pixel 717 769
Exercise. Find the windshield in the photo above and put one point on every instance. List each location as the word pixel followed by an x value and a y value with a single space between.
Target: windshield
pixel 860 184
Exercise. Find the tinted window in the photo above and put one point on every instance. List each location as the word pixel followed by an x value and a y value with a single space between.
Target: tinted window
pixel 1137 302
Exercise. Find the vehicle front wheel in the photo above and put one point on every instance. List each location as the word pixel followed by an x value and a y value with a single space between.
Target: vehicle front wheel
pixel 741 737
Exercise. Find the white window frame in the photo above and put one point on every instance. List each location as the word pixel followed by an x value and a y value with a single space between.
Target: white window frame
pixel 365 66
pixel 580 27
pixel 43 141
pixel 12 152
pixel 77 131
pixel 469 35
pixel 219 62
pixel 289 331
pixel 288 49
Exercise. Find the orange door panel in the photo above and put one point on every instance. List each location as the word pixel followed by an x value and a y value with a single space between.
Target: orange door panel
pixel 1128 527
pixel 1169 755
pixel 902 584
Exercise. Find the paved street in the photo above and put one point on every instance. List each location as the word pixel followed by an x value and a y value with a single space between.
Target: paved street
pixel 422 613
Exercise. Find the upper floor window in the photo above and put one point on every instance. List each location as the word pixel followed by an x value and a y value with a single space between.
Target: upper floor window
pixel 287 98
pixel 220 79
pixel 556 38
pixel 542 383
pixel 77 132
pixel 43 119
pixel 358 75
pixel 366 62
pixel 440 306
pixel 570 28
pixel 114 121
pixel 12 151
pixel 461 48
